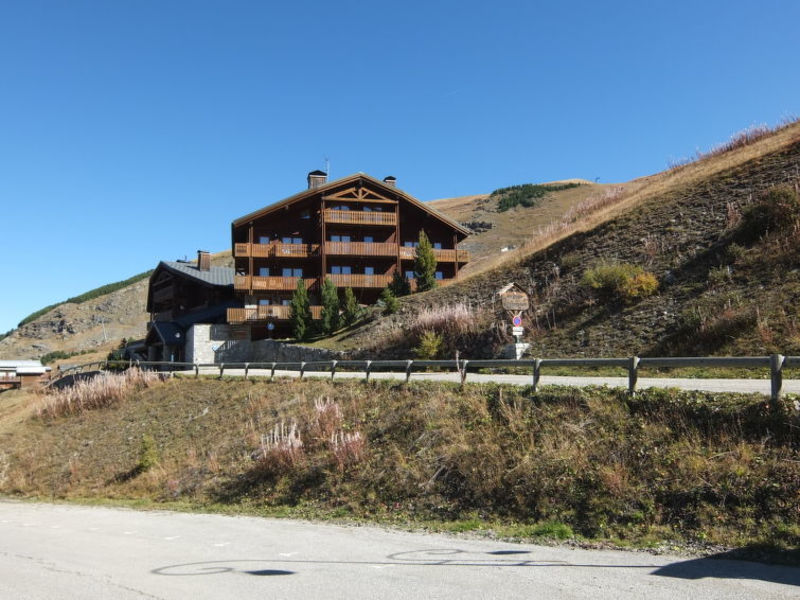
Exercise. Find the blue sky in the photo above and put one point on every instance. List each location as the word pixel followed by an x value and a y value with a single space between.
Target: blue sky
pixel 137 131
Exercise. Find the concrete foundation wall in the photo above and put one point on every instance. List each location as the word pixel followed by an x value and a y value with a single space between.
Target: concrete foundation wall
pixel 213 344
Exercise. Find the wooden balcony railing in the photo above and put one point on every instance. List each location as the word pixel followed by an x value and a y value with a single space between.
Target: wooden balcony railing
pixel 277 249
pixel 360 248
pixel 276 312
pixel 359 217
pixel 360 281
pixel 247 282
pixel 442 255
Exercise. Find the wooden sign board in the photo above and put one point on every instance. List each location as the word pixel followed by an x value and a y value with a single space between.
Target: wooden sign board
pixel 514 298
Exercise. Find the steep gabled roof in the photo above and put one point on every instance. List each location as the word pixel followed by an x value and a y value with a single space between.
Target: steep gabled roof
pixel 388 189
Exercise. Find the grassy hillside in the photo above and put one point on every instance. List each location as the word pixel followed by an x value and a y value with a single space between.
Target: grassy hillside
pixel 595 463
pixel 720 286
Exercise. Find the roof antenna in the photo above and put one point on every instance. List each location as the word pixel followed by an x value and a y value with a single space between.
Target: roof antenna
pixel 328 168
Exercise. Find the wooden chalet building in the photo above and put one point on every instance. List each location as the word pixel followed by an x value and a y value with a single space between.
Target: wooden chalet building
pixel 358 231
pixel 182 294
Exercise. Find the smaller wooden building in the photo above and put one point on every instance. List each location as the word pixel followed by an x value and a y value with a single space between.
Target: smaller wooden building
pixel 182 294
pixel 22 374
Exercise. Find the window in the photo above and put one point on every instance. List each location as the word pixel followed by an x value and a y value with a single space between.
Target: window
pixel 263 271
pixel 409 275
pixel 340 238
pixel 410 244
pixel 297 272
pixel 438 275
pixel 289 272
pixel 437 245
pixel 368 239
pixel 263 239
pixel 305 214
pixel 341 207
pixel 285 302
pixel 341 270
pixel 263 301
pixel 369 270
pixel 367 209
pixel 291 240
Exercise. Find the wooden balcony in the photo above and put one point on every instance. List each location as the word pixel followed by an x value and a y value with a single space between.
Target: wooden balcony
pixel 443 255
pixel 288 284
pixel 359 217
pixel 275 249
pixel 360 249
pixel 274 312
pixel 360 281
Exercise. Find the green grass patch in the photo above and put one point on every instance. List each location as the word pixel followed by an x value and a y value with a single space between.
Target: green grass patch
pixel 526 195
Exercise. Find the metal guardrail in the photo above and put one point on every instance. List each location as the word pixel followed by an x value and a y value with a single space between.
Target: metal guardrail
pixel 774 363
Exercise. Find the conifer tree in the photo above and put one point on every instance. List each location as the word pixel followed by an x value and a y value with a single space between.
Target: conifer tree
pixel 352 311
pixel 301 311
pixel 330 307
pixel 390 303
pixel 400 284
pixel 424 264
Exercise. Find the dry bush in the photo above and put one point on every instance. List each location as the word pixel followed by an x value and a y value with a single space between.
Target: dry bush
pixel 327 418
pixel 281 449
pixel 347 448
pixel 740 139
pixel 101 391
pixel 452 319
pixel 733 215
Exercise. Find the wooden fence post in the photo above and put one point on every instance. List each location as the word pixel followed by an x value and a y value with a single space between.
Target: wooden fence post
pixel 463 370
pixel 408 370
pixel 366 369
pixel 633 374
pixel 272 373
pixel 196 370
pixel 537 371
pixel 221 369
pixel 776 376
pixel 333 369
pixel 246 369
pixel 302 368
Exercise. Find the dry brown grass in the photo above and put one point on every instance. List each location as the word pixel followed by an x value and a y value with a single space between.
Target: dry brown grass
pixel 101 391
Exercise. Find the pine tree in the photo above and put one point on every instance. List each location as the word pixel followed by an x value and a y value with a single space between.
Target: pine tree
pixel 301 311
pixel 390 303
pixel 424 264
pixel 330 307
pixel 352 311
pixel 400 284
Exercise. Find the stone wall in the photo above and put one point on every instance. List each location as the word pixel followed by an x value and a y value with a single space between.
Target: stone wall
pixel 212 344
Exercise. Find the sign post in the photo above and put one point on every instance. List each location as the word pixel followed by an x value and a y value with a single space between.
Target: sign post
pixel 515 301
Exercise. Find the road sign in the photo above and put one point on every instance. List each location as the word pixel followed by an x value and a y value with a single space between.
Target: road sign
pixel 516 331
pixel 517 321
pixel 514 298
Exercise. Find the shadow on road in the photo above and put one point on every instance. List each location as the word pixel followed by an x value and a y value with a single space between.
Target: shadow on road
pixel 735 565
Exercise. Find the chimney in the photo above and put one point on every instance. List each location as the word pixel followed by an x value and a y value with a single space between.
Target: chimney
pixel 390 180
pixel 203 260
pixel 317 179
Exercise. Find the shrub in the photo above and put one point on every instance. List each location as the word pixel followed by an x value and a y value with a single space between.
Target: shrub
pixel 430 346
pixel 390 303
pixel 620 281
pixel 347 448
pixel 281 449
pixel 719 276
pixel 777 210
pixel 148 454
pixel 400 284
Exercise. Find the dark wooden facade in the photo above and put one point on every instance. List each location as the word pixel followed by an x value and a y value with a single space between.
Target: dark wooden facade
pixel 358 231
pixel 180 295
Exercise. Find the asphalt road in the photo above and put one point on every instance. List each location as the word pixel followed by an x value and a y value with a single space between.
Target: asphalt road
pixel 85 553
pixel 761 386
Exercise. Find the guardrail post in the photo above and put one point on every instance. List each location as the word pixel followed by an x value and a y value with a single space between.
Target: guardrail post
pixel 366 369
pixel 246 369
pixel 196 370
pixel 333 369
pixel 408 370
pixel 272 373
pixel 776 376
pixel 633 374
pixel 537 371
pixel 462 370
pixel 221 369
pixel 302 368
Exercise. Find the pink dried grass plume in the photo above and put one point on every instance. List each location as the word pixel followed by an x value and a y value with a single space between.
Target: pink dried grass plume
pixel 327 417
pixel 281 449
pixel 348 448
